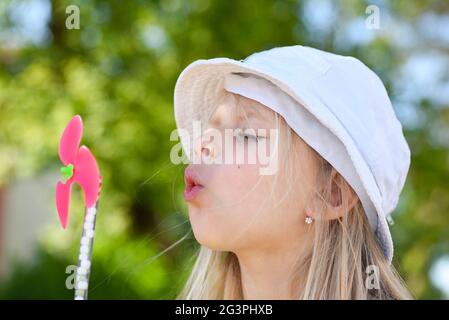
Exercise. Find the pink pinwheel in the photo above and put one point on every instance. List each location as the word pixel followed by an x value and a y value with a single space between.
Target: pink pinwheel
pixel 79 166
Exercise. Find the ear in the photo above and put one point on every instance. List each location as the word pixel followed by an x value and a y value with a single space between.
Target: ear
pixel 340 201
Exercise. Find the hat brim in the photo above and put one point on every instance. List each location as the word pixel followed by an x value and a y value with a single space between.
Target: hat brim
pixel 196 96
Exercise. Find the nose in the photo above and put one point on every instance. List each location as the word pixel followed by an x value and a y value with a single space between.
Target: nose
pixel 205 147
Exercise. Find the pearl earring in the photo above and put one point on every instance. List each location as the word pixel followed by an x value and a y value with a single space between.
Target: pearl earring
pixel 308 220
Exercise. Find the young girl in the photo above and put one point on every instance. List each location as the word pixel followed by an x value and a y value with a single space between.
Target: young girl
pixel 309 220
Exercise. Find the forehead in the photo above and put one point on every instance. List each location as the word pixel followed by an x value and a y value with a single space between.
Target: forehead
pixel 241 108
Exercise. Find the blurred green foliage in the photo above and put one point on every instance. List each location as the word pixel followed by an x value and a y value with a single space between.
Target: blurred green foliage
pixel 118 72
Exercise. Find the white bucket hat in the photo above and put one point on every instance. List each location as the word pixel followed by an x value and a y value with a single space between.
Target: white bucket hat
pixel 336 104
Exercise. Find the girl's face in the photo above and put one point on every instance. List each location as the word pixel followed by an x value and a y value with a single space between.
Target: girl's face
pixel 238 208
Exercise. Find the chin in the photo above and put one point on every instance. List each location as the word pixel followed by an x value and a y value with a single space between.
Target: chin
pixel 207 235
pixel 211 242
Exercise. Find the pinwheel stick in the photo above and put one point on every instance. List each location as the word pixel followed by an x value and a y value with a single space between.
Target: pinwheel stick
pixel 85 256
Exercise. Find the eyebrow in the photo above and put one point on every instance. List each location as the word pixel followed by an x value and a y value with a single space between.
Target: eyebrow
pixel 250 111
pixel 246 111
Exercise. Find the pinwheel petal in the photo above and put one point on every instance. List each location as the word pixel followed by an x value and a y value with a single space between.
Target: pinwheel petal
pixel 63 201
pixel 87 175
pixel 70 140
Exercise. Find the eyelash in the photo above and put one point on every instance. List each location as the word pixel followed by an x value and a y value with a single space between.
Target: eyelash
pixel 243 134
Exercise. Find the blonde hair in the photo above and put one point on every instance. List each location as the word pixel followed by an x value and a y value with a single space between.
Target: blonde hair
pixel 337 263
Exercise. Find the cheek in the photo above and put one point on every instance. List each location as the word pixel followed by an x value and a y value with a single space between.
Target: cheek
pixel 234 209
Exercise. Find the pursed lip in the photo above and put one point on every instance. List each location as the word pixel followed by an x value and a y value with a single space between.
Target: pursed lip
pixel 193 184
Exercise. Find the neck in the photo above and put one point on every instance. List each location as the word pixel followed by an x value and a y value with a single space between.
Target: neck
pixel 268 274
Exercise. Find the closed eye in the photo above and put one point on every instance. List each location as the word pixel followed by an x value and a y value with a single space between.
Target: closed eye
pixel 248 134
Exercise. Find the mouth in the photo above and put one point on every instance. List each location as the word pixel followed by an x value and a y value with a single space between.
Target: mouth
pixel 193 186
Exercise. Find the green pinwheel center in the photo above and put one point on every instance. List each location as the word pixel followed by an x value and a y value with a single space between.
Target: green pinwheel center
pixel 67 172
